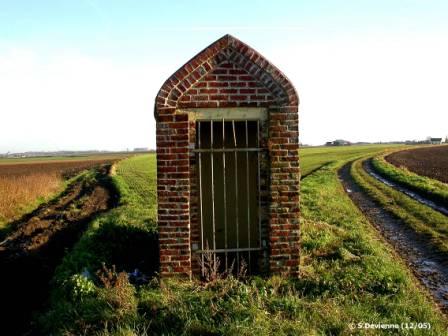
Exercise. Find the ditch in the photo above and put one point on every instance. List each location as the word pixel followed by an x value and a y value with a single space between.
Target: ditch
pixel 38 241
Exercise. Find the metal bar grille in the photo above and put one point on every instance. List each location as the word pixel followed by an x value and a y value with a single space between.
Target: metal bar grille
pixel 259 184
pixel 200 196
pixel 236 196
pixel 229 190
pixel 225 193
pixel 213 193
pixel 248 188
pixel 227 150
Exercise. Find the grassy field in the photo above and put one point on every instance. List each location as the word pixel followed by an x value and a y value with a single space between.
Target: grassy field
pixel 137 182
pixel 348 274
pixel 312 158
pixel 108 156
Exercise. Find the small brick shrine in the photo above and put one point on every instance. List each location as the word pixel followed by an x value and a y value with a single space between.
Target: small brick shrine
pixel 227 163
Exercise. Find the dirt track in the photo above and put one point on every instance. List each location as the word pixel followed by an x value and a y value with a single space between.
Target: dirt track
pixel 30 254
pixel 429 267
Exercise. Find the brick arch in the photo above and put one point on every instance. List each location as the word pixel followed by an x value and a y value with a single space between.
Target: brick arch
pixel 230 53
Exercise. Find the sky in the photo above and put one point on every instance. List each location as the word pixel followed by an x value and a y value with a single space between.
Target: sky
pixel 78 75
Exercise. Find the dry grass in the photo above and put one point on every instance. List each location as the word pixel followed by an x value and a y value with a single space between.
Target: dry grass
pixel 21 190
pixel 24 185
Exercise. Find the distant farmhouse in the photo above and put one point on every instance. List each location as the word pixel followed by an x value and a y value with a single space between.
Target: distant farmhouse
pixel 435 141
pixel 338 142
pixel 141 149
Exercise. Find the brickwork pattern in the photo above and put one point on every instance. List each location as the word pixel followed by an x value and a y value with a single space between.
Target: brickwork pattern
pixel 227 86
pixel 228 73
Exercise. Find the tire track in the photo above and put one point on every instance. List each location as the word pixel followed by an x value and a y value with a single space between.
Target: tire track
pixel 429 267
pixel 413 194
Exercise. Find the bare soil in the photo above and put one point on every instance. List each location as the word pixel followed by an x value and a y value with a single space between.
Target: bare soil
pixel 429 267
pixel 428 161
pixel 31 252
pixel 66 169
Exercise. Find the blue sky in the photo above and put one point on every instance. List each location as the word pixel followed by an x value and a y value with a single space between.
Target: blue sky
pixel 84 74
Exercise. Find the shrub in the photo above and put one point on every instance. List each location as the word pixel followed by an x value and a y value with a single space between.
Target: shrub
pixel 80 287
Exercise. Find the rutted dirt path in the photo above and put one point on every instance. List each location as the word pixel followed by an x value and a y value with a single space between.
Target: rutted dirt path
pixel 428 266
pixel 31 252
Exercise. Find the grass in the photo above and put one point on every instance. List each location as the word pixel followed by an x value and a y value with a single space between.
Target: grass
pixel 433 189
pixel 348 275
pixel 421 218
pixel 136 182
pixel 22 193
pixel 312 158
pixel 27 183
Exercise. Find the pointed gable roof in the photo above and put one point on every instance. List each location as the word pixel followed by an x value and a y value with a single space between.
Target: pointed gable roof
pixel 231 50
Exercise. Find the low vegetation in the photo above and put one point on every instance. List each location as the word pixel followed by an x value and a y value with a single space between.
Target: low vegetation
pixel 348 275
pixel 312 158
pixel 20 193
pixel 26 183
pixel 430 161
pixel 421 218
pixel 430 188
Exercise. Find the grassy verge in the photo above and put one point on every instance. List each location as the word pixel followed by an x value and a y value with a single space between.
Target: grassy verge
pixel 421 218
pixel 313 158
pixel 426 186
pixel 348 276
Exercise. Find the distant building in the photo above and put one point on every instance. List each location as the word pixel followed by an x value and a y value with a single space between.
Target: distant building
pixel 338 142
pixel 435 141
pixel 141 149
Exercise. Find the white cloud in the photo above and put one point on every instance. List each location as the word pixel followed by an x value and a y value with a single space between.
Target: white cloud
pixel 369 88
pixel 75 102
pixel 359 88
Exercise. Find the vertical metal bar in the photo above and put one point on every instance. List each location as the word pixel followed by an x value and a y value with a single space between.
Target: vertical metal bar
pixel 200 198
pixel 258 182
pixel 236 200
pixel 247 193
pixel 225 192
pixel 213 193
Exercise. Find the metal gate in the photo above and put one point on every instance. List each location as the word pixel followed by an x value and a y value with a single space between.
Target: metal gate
pixel 228 156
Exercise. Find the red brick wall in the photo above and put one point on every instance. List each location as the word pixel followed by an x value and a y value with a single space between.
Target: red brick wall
pixel 173 192
pixel 284 191
pixel 228 73
pixel 227 85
